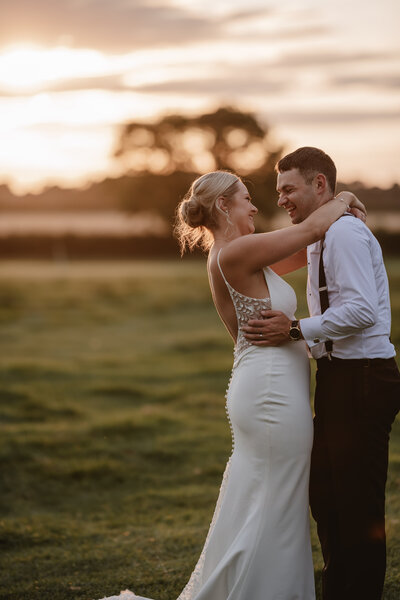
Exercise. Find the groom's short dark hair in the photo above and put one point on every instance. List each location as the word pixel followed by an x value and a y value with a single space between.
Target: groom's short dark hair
pixel 309 161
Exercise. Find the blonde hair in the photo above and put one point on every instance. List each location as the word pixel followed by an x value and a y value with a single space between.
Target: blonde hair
pixel 196 214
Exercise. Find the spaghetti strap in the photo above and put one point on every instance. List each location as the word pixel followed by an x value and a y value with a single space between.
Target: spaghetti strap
pixel 234 293
pixel 221 271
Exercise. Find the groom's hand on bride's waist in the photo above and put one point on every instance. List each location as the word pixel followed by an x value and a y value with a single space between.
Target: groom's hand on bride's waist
pixel 271 330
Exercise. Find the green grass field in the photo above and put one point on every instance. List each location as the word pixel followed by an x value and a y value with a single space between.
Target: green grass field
pixel 114 436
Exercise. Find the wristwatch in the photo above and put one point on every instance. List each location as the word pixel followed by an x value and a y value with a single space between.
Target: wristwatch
pixel 295 331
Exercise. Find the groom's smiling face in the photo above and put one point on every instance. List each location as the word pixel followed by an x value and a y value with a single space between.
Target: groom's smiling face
pixel 296 196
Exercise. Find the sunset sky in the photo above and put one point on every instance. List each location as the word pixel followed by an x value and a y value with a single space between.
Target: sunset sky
pixel 320 73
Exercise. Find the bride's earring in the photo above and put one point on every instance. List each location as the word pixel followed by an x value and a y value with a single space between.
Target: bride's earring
pixel 228 220
pixel 225 212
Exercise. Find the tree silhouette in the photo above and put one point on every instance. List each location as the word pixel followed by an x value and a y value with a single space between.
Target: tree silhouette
pixel 175 149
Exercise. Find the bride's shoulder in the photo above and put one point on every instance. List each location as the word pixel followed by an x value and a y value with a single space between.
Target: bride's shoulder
pixel 235 250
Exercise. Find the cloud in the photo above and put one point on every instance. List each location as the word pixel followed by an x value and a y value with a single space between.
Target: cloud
pixel 325 59
pixel 247 14
pixel 331 117
pixel 111 83
pixel 126 25
pixel 229 85
pixel 252 78
pixel 243 85
pixel 284 34
pixel 371 81
pixel 115 26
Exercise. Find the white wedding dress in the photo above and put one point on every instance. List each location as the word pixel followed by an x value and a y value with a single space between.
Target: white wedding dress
pixel 258 545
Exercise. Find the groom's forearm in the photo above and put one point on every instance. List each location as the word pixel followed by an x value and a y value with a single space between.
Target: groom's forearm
pixel 338 322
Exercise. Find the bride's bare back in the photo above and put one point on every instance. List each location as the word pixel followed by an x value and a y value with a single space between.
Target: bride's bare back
pixel 252 285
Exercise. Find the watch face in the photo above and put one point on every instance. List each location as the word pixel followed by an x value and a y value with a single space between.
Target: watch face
pixel 294 333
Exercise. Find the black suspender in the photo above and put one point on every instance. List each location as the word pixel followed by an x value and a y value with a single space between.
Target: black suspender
pixel 323 290
pixel 323 295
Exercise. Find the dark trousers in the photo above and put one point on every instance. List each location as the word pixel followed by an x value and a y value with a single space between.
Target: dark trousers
pixel 355 405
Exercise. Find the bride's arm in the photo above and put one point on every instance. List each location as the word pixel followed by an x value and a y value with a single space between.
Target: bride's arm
pixel 257 250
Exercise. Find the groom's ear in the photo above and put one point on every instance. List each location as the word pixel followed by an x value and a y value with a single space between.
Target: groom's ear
pixel 320 183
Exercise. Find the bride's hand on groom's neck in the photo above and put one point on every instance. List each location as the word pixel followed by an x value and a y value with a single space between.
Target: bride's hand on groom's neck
pixel 359 214
pixel 357 208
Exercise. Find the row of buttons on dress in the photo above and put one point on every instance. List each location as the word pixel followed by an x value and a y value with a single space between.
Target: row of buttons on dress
pixel 227 412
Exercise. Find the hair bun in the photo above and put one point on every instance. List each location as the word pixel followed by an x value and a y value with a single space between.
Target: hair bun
pixel 192 212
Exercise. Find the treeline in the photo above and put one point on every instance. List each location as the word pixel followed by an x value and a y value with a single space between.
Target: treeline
pixel 375 199
pixel 160 160
pixel 147 191
pixel 71 247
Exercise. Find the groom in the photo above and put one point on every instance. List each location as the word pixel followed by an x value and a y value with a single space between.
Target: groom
pixel 357 383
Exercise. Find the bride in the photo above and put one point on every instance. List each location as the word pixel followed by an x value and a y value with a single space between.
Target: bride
pixel 258 545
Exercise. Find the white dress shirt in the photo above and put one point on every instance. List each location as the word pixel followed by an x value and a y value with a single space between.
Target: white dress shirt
pixel 358 318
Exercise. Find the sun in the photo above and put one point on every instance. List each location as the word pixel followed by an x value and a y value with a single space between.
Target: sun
pixel 27 67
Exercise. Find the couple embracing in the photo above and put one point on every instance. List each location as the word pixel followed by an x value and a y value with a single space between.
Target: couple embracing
pixel 258 545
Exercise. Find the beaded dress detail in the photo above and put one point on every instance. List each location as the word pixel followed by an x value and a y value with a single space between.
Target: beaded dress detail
pixel 258 545
pixel 246 308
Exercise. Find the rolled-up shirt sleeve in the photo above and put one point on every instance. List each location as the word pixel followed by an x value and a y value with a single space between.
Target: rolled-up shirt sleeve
pixel 350 276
